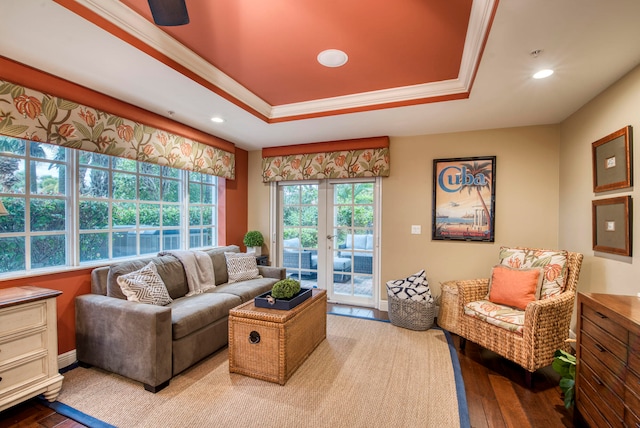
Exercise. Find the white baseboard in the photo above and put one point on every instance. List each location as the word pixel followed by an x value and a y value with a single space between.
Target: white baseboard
pixel 66 359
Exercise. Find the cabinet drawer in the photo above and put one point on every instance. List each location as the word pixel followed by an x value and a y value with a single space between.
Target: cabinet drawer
pixel 601 389
pixel 633 388
pixel 605 408
pixel 631 420
pixel 24 345
pixel 589 412
pixel 634 363
pixel 605 341
pixel 605 323
pixel 610 361
pixel 22 375
pixel 18 318
pixel 604 374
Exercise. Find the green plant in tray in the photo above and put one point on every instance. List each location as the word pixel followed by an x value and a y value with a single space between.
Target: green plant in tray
pixel 285 289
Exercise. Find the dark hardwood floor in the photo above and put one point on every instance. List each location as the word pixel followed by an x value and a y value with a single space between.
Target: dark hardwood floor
pixel 495 389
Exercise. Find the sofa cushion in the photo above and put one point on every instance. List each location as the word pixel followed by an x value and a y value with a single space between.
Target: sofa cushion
pixel 192 313
pixel 144 286
pixel 247 290
pixel 220 261
pixel 169 268
pixel 241 266
pixel 514 287
pixel 553 263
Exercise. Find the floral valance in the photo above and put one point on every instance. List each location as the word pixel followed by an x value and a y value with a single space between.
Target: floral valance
pixel 32 115
pixel 338 159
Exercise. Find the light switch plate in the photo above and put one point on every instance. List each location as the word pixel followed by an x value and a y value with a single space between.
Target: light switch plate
pixel 416 229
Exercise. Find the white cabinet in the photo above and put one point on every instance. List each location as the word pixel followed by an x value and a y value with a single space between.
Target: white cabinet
pixel 28 345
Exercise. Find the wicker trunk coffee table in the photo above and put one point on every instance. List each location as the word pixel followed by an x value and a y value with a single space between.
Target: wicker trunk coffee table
pixel 270 344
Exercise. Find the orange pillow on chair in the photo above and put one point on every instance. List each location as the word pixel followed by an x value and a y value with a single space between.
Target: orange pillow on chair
pixel 514 287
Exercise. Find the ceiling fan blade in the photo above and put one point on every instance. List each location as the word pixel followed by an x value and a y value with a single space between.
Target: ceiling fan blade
pixel 169 12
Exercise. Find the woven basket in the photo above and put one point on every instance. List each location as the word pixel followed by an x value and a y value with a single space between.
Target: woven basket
pixel 448 315
pixel 411 314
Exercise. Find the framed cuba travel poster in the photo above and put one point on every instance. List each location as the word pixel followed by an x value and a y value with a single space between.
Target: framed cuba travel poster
pixel 464 199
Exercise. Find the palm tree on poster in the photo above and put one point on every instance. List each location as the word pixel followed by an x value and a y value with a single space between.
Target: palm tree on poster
pixel 475 169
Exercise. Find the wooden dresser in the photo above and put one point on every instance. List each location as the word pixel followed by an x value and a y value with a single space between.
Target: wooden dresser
pixel 28 345
pixel 608 351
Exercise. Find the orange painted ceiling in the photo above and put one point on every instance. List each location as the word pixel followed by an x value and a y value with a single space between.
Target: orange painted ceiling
pixel 270 47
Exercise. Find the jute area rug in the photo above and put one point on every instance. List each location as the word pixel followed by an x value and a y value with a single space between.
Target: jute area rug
pixel 365 374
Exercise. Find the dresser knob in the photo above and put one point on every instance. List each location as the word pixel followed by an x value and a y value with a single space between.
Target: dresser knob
pixel 600 347
pixel 601 315
pixel 597 379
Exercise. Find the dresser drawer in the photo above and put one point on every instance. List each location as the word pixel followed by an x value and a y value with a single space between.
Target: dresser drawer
pixel 23 375
pixel 604 407
pixel 19 318
pixel 633 388
pixel 603 341
pixel 608 360
pixel 632 420
pixel 605 375
pixel 588 411
pixel 605 323
pixel 601 389
pixel 22 345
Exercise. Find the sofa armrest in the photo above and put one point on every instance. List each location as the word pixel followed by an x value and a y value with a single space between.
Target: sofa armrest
pixel 272 272
pixel 128 338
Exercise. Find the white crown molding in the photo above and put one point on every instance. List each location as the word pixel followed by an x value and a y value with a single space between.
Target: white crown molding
pixel 137 26
pixel 129 21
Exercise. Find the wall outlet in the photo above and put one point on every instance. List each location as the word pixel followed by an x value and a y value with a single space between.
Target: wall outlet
pixel 416 229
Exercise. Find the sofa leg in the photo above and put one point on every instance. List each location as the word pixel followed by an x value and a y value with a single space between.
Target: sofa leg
pixel 463 343
pixel 84 365
pixel 157 388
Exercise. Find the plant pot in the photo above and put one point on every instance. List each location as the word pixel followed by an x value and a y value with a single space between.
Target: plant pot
pixel 284 304
pixel 256 251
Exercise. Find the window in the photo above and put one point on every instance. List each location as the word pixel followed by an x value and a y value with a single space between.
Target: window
pixel 124 208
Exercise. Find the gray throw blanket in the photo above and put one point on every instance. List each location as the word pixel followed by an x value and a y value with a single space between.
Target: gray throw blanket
pixel 198 268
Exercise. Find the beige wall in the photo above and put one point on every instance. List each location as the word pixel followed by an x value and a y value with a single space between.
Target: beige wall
pixel 526 201
pixel 615 108
pixel 526 208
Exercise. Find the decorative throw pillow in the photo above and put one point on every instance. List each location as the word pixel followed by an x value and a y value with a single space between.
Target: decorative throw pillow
pixel 145 286
pixel 553 263
pixel 514 287
pixel 241 266
pixel 414 287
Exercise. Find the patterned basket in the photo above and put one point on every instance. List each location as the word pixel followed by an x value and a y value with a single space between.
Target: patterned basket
pixel 411 314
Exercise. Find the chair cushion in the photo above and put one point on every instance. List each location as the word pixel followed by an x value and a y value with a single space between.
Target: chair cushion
pixel 414 287
pixel 499 315
pixel 145 286
pixel 514 287
pixel 553 263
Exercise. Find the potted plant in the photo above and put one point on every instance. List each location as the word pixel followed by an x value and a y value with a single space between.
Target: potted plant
pixel 565 364
pixel 253 240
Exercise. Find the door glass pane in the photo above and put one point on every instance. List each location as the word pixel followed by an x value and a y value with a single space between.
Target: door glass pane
pixel 353 217
pixel 300 232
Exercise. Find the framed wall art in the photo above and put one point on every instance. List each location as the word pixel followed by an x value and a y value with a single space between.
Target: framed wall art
pixel 612 225
pixel 612 167
pixel 464 199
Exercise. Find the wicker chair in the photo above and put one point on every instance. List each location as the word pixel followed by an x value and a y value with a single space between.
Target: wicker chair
pixel 546 323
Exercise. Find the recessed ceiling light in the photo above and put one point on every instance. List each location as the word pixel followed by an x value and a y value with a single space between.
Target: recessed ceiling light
pixel 332 58
pixel 543 73
pixel 217 119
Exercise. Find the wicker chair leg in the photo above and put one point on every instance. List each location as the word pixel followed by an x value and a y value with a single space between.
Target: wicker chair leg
pixel 463 343
pixel 528 379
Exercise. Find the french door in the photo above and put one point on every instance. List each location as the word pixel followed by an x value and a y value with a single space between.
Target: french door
pixel 327 237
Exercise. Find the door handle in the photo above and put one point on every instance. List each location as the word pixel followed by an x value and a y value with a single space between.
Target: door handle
pixel 330 237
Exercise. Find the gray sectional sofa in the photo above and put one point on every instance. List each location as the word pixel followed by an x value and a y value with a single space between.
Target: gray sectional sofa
pixel 150 343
